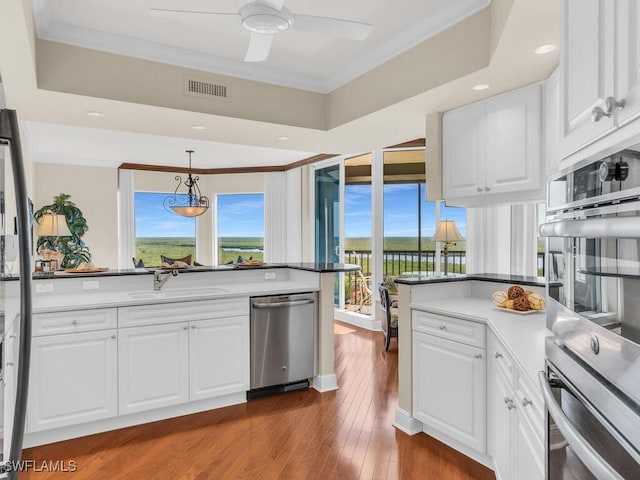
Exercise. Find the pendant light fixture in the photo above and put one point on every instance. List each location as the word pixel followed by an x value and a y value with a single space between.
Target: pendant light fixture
pixel 190 204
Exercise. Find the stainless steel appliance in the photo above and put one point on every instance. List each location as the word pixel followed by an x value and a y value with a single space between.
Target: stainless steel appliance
pixel 21 313
pixel 283 332
pixel 593 252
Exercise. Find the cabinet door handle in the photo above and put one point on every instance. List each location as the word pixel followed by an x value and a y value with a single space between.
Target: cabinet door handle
pixel 478 355
pixel 486 189
pixel 13 335
pixel 511 405
pixel 193 327
pixel 497 355
pixel 442 327
pixel 185 327
pixel 10 364
pixel 478 189
pixel 610 105
pixel 113 336
pixel 526 401
pixel 74 322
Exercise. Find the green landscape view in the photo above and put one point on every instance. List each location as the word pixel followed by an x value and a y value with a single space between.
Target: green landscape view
pixel 149 249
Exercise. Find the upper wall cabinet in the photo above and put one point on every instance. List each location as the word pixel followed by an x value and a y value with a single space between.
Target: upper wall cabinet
pixel 600 70
pixel 492 150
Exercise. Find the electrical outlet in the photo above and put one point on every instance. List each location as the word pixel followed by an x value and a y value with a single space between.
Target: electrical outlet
pixel 44 287
pixel 91 285
pixel 270 275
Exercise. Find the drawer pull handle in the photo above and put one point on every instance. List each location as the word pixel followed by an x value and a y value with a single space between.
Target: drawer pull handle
pixel 74 322
pixel 193 327
pixel 13 335
pixel 526 401
pixel 511 405
pixel 478 355
pixel 185 327
pixel 497 355
pixel 10 364
pixel 113 336
pixel 442 327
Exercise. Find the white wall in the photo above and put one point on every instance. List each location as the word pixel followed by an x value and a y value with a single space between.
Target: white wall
pixel 94 190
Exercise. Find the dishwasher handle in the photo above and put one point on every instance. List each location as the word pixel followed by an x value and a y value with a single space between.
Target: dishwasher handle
pixel 293 303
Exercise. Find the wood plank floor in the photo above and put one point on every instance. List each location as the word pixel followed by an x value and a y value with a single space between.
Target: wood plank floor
pixel 346 434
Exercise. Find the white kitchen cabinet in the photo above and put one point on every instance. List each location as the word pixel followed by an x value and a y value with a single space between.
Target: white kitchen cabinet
pixel 492 150
pixel 73 379
pixel 449 388
pixel 464 151
pixel 627 43
pixel 600 59
pixel 153 369
pixel 218 357
pixel 516 419
pixel 10 346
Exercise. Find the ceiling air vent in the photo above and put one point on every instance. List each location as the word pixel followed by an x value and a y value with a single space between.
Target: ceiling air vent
pixel 202 89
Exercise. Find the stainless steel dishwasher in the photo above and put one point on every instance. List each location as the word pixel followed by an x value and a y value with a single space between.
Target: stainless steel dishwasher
pixel 283 339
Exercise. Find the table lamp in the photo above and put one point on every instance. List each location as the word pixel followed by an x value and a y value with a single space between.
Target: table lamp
pixel 448 234
pixel 52 225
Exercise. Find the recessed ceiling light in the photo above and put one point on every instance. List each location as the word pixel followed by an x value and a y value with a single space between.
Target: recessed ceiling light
pixel 198 127
pixel 282 137
pixel 480 86
pixel 546 48
pixel 93 113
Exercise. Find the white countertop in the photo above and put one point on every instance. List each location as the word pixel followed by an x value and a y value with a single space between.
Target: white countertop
pixel 522 335
pixel 79 301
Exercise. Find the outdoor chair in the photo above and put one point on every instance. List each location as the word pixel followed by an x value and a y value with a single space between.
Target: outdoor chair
pixel 389 316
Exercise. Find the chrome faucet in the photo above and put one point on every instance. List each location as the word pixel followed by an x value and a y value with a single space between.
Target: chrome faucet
pixel 161 277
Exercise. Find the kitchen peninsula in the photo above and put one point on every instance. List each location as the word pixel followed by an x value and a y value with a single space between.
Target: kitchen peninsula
pixel 467 369
pixel 110 351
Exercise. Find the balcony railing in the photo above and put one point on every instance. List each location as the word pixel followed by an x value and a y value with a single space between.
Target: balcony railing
pixel 398 263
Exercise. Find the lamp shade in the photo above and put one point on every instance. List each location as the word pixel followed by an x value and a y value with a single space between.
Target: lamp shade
pixel 52 225
pixel 187 211
pixel 447 232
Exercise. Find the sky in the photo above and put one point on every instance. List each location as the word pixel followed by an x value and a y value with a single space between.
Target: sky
pixel 239 215
pixel 400 211
pixel 242 215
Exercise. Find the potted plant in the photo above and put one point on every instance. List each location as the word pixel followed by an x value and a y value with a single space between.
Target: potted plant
pixel 73 250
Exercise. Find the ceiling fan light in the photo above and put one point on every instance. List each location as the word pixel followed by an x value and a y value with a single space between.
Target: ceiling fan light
pixel 263 19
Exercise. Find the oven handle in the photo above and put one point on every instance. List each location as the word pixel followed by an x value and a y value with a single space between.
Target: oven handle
pixel 587 454
pixel 609 227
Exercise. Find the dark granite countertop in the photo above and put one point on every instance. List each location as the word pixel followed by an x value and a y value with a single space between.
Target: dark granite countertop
pixel 487 277
pixel 308 266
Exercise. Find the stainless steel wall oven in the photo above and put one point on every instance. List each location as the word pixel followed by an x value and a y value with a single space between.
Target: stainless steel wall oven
pixel 592 382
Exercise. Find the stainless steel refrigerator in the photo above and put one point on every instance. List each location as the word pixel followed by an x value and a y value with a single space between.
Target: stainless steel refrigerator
pixel 15 291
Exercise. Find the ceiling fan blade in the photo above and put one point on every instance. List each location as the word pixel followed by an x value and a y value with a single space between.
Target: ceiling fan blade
pixel 332 26
pixel 259 47
pixel 277 4
pixel 167 12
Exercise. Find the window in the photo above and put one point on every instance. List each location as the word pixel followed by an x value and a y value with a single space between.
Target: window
pixel 159 232
pixel 240 227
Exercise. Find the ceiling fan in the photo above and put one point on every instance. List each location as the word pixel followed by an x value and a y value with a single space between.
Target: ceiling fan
pixel 265 18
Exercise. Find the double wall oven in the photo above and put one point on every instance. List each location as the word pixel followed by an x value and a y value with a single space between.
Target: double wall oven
pixel 592 380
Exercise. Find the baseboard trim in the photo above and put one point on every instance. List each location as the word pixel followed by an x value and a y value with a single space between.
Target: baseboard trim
pixel 406 423
pixel 80 430
pixel 325 383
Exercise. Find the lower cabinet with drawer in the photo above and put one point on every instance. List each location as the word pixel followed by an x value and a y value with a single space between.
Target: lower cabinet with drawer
pixel 449 378
pixel 516 419
pixel 73 375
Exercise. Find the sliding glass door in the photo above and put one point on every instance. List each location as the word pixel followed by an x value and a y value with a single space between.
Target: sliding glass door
pixel 327 218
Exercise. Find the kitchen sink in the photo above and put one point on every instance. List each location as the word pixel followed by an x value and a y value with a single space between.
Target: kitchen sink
pixel 180 293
